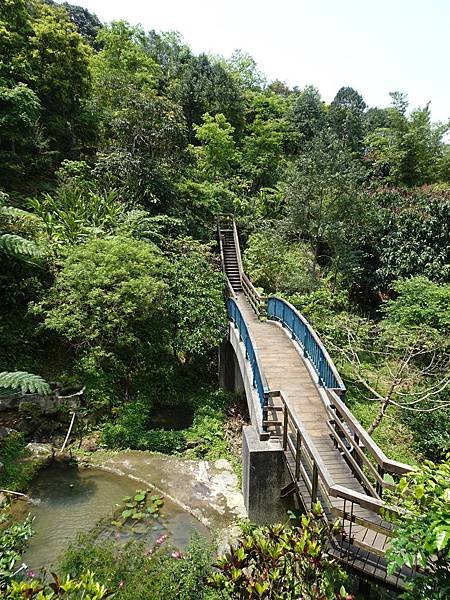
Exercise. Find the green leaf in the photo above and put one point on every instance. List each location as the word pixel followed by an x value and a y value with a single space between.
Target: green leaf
pixel 26 382
pixel 20 248
pixel 117 523
pixel 261 587
pixel 442 539
pixel 419 492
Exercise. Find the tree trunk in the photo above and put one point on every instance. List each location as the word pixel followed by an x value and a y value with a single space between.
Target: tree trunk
pixel 379 416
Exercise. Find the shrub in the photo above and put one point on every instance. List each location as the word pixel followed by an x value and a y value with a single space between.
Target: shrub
pixel 130 431
pixel 282 562
pixel 113 319
pixel 278 266
pixel 422 534
pixel 84 588
pixel 13 542
pixel 17 471
pixel 133 572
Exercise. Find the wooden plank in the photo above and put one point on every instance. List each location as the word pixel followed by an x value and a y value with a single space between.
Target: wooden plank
pixel 365 521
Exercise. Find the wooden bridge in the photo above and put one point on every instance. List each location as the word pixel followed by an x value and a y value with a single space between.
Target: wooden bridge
pixel 298 401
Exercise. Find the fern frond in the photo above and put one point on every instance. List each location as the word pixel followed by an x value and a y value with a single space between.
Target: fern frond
pixel 18 247
pixel 26 382
pixel 17 213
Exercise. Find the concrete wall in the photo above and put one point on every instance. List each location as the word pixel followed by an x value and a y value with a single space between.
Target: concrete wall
pixel 264 475
pixel 230 377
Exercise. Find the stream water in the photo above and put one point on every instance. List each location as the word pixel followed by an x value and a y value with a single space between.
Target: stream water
pixel 67 500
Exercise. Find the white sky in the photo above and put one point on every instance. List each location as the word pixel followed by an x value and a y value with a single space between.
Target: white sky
pixel 375 46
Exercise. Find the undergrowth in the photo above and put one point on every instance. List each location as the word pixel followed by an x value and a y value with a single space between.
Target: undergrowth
pixel 216 421
pixel 18 468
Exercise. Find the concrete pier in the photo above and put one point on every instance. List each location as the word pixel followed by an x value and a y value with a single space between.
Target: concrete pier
pixel 263 477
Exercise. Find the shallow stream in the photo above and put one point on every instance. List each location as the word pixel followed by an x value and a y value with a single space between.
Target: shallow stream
pixel 67 499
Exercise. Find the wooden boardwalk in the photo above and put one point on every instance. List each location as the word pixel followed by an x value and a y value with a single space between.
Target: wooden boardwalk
pixel 328 454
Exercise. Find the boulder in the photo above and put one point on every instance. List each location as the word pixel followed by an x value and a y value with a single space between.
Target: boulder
pixel 5 432
pixel 41 450
pixel 9 401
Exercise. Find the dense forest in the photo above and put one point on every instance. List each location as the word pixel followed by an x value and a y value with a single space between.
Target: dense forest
pixel 118 149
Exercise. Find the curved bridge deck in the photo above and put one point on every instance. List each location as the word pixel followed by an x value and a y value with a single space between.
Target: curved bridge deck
pixel 328 454
pixel 285 369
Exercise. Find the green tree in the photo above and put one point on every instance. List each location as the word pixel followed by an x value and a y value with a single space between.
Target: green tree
pixel 206 86
pixel 44 72
pixel 346 115
pixel 306 118
pixel 59 64
pixel 263 141
pixel 172 55
pixel 422 534
pixel 121 69
pixel 20 109
pixel 410 150
pixel 278 266
pixel 15 28
pixel 423 305
pixel 88 24
pixel 245 70
pixel 143 134
pixel 412 234
pixel 195 301
pixel 113 320
pixel 322 198
pixel 145 154
pixel 218 154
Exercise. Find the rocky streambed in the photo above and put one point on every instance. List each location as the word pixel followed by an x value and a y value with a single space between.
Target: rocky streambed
pixel 69 497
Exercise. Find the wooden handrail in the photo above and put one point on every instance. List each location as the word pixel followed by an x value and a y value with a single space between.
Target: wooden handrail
pixel 327 483
pixel 238 248
pixel 388 465
pixel 229 293
pixel 257 301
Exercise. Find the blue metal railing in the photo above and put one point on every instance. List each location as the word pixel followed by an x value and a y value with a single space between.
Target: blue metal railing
pixel 259 382
pixel 309 341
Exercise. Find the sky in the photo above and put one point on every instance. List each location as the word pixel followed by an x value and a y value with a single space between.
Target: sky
pixel 374 46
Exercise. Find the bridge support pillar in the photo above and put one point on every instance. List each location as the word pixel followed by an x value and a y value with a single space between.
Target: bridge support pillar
pixel 263 477
pixel 230 377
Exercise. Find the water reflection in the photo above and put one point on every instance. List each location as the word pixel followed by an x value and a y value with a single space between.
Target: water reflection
pixel 68 500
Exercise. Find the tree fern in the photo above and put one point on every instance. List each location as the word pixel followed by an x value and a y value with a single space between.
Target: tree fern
pixel 18 247
pixel 26 382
